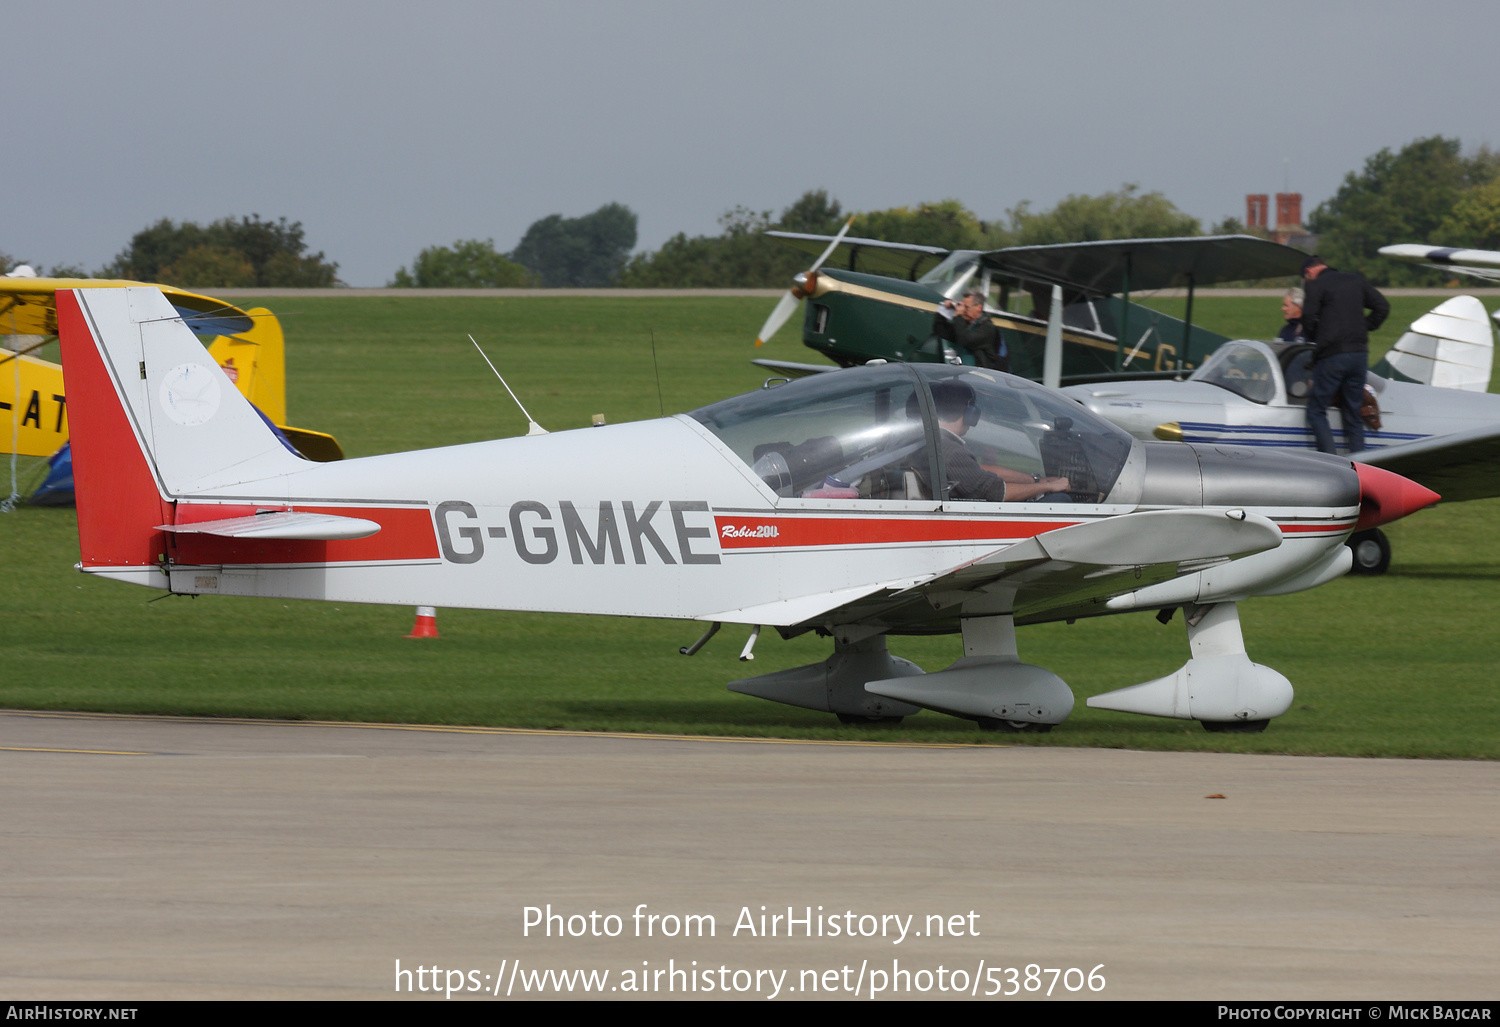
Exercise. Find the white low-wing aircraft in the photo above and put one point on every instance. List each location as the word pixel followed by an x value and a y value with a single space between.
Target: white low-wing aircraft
pixel 1252 393
pixel 809 506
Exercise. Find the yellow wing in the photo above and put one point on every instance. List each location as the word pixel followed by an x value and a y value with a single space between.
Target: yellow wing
pixel 255 361
pixel 33 407
pixel 28 306
pixel 249 346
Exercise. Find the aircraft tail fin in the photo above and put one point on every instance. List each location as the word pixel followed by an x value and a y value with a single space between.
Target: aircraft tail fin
pixel 152 418
pixel 1450 347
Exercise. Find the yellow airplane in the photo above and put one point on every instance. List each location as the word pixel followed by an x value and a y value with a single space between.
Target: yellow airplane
pixel 249 346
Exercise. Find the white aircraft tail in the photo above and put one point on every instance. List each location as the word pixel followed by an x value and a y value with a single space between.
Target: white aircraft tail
pixel 152 417
pixel 1451 347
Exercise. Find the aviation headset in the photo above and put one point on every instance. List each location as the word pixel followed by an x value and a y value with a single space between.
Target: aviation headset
pixel 955 399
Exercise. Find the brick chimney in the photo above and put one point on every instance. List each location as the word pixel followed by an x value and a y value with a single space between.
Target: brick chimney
pixel 1256 205
pixel 1288 212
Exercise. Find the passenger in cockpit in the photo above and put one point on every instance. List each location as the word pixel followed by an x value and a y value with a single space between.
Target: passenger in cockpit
pixel 957 412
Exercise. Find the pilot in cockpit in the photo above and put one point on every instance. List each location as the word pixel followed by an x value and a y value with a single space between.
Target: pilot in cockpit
pixel 957 412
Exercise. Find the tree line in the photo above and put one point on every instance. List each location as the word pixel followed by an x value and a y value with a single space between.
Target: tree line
pixel 1428 191
pixel 232 252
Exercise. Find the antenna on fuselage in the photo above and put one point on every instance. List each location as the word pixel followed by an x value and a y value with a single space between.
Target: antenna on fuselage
pixel 655 367
pixel 533 428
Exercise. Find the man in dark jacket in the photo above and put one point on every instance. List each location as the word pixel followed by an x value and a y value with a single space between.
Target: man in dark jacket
pixel 1333 317
pixel 964 324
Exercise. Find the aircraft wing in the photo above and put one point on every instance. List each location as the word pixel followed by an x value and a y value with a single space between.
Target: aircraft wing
pixel 792 369
pixel 1423 254
pixel 1480 263
pixel 28 306
pixel 1075 566
pixel 1458 467
pixel 872 256
pixel 1096 560
pixel 1111 266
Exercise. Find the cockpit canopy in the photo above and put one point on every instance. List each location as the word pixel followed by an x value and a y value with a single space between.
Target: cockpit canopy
pixel 875 433
pixel 1246 369
pixel 1265 372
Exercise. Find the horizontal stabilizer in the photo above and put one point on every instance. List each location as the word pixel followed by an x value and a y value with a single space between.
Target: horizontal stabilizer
pixel 1450 347
pixel 315 445
pixel 284 524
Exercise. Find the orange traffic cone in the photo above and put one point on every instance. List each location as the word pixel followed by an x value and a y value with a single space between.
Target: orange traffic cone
pixel 426 625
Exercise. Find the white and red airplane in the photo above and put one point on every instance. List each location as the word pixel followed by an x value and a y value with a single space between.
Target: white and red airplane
pixel 808 506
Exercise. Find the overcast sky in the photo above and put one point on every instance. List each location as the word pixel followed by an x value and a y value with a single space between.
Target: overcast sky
pixel 385 127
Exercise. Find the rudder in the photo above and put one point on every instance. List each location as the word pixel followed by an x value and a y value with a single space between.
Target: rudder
pixel 119 498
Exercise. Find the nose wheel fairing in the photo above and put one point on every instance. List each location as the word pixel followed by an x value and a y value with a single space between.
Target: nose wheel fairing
pixel 1218 684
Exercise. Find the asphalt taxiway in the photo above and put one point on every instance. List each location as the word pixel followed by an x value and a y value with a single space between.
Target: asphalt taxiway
pixel 151 858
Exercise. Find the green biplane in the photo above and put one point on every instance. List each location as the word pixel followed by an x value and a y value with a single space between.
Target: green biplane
pixel 876 300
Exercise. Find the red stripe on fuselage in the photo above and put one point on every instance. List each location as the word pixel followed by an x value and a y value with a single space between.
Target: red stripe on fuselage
pixel 406 533
pixel 781 532
pixel 740 532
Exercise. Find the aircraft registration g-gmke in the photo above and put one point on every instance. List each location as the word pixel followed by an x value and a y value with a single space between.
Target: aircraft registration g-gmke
pixel 822 504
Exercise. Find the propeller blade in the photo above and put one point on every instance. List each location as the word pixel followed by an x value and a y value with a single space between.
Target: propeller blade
pixel 788 304
pixel 784 310
pixel 833 245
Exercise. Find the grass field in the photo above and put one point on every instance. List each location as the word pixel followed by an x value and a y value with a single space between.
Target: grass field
pixel 1398 666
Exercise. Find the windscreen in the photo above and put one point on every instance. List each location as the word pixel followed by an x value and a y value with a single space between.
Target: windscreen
pixel 954 273
pixel 855 434
pixel 1243 368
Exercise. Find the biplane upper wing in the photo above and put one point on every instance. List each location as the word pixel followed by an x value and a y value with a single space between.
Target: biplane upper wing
pixel 1066 567
pixel 1114 266
pixel 28 306
pixel 1458 467
pixel 872 256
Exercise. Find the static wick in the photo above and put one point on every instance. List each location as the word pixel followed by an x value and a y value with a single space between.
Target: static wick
pixel 533 428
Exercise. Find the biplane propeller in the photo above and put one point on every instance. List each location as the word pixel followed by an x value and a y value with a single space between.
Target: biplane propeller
pixel 803 285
